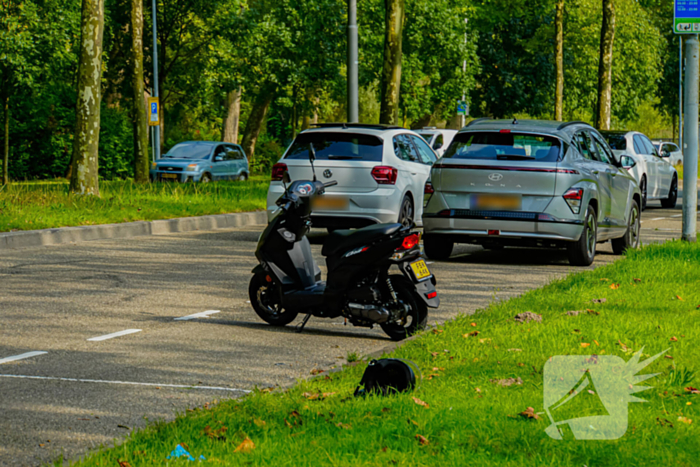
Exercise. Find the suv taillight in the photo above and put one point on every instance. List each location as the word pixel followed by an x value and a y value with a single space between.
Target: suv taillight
pixel 385 175
pixel 574 197
pixel 278 171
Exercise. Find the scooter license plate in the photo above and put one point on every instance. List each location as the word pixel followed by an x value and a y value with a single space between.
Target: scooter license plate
pixel 420 270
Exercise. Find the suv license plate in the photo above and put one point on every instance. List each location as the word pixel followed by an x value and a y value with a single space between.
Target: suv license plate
pixel 495 202
pixel 420 270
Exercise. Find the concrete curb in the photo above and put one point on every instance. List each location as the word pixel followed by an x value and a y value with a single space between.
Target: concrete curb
pixel 39 238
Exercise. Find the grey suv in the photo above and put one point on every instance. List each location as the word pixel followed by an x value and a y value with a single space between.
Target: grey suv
pixel 531 183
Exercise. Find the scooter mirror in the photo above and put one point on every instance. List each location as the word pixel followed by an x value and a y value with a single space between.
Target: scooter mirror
pixel 286 179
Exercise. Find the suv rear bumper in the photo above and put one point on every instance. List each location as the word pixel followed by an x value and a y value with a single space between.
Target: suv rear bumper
pixel 501 227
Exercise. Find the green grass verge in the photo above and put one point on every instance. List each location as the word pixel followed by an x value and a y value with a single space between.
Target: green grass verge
pixel 679 170
pixel 652 298
pixel 42 205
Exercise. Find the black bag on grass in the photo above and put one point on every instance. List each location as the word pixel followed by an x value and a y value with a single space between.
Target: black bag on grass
pixel 387 376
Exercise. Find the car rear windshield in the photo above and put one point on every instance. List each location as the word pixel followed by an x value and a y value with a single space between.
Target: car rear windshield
pixel 189 151
pixel 337 146
pixel 504 146
pixel 616 142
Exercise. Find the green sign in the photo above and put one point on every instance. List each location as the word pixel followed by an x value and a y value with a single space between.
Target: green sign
pixel 686 17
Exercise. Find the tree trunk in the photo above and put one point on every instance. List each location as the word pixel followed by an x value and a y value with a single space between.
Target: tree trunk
pixel 229 132
pixel 391 73
pixel 559 93
pixel 607 38
pixel 311 115
pixel 141 161
pixel 84 178
pixel 256 119
pixel 6 145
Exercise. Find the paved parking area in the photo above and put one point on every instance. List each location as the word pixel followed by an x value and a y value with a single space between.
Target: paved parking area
pixel 73 392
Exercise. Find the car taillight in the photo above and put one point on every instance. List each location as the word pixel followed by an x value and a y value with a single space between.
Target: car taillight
pixel 385 175
pixel 573 198
pixel 410 242
pixel 429 190
pixel 278 171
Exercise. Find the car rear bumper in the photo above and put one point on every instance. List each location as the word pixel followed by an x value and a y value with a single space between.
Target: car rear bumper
pixel 376 207
pixel 501 226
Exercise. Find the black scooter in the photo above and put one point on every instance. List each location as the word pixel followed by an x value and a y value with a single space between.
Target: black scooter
pixel 288 281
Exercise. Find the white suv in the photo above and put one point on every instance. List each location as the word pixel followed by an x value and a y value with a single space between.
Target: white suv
pixel 382 174
pixel 438 139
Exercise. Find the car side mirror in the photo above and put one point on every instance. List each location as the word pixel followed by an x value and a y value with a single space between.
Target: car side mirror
pixel 218 158
pixel 627 162
pixel 665 153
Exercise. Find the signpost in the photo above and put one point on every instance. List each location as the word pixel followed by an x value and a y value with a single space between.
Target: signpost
pixel 153 111
pixel 687 21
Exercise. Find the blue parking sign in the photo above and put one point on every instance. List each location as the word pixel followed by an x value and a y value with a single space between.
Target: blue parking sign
pixel 686 17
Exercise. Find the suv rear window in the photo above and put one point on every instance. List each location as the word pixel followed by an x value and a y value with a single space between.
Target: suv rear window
pixel 337 146
pixel 504 146
pixel 616 142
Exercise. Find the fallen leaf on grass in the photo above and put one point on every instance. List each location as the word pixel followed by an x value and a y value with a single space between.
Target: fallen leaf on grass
pixel 685 420
pixel 438 369
pixel 637 280
pixel 422 440
pixel 623 346
pixel 679 298
pixel 585 344
pixel 599 300
pixel 437 331
pixel 507 382
pixel 218 434
pixel 433 375
pixel 421 403
pixel 614 286
pixel 664 422
pixel 486 340
pixel 473 325
pixel 529 413
pixel 246 446
pixel 674 339
pixel 435 354
pixel 344 426
pixel 413 422
pixel 668 356
pixel 316 371
pixel 477 390
pixel 692 390
pixel 311 395
pixel 604 280
pixel 471 334
pixel 121 463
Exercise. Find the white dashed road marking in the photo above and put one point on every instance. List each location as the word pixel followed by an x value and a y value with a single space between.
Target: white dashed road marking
pixel 21 357
pixel 114 334
pixel 204 314
pixel 130 383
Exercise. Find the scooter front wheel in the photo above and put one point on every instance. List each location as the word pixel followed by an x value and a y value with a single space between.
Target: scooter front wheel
pixel 266 303
pixel 416 311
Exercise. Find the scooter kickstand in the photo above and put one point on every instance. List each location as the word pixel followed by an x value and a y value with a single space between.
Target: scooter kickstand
pixel 303 323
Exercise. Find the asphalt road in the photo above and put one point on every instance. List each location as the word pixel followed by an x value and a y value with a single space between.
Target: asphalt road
pixel 83 393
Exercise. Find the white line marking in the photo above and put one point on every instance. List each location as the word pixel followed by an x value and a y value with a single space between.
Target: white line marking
pixel 204 314
pixel 114 334
pixel 677 215
pixel 657 219
pixel 78 380
pixel 21 357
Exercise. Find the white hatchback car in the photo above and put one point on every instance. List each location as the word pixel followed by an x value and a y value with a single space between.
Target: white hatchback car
pixel 657 178
pixel 382 174
pixel 670 150
pixel 438 139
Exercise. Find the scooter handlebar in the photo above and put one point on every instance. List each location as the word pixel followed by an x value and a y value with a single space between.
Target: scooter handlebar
pixel 333 183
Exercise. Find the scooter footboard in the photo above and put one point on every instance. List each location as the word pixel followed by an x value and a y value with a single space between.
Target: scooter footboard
pixel 424 287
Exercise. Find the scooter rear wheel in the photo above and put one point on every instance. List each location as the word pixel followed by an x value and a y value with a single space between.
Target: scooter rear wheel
pixel 266 304
pixel 417 316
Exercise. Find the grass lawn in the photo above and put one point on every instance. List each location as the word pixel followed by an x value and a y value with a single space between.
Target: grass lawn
pixel 651 302
pixel 41 205
pixel 679 170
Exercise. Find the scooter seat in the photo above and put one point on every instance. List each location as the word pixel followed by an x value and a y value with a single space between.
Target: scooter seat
pixel 341 241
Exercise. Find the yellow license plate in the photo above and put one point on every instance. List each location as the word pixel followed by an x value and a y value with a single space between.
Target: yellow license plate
pixel 420 269
pixel 168 175
pixel 496 202
pixel 330 203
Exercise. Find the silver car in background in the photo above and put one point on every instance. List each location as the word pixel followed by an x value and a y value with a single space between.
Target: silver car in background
pixel 438 139
pixel 201 161
pixel 531 183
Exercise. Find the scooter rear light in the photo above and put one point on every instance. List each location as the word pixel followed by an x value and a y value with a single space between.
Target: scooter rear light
pixel 410 242
pixel 432 295
pixel 278 171
pixel 573 198
pixel 385 175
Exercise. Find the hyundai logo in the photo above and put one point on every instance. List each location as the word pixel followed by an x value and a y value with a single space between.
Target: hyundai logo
pixel 327 173
pixel 495 177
